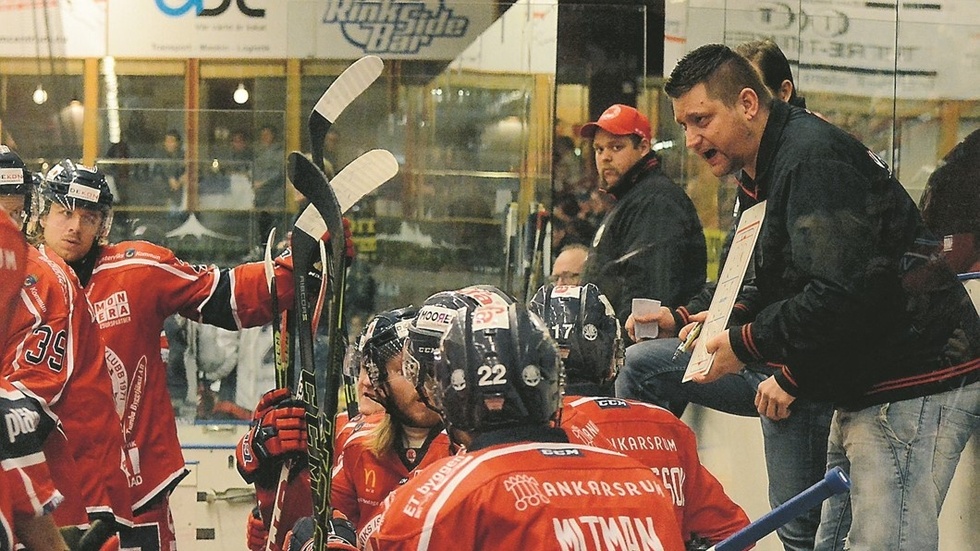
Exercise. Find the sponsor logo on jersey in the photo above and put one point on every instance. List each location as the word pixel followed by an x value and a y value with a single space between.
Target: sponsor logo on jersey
pixel 610 403
pixel 561 452
pixel 526 491
pixel 643 442
pixel 428 489
pixel 586 434
pixel 584 488
pixel 130 253
pixel 120 381
pixel 30 280
pixel 20 420
pixel 114 310
pixel 595 532
pixel 392 26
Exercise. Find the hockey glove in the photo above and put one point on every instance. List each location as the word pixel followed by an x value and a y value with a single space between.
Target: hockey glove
pixel 278 429
pixel 255 532
pixel 340 534
pixel 285 258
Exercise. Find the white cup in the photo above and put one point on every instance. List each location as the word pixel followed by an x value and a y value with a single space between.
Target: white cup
pixel 645 307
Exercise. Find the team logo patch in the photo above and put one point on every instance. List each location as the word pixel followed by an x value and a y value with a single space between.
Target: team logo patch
pixel 526 491
pixel 531 375
pixel 590 332
pixel 30 280
pixel 130 253
pixel 458 380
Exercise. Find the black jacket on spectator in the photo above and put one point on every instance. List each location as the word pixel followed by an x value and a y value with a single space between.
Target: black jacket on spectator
pixel 650 245
pixel 856 304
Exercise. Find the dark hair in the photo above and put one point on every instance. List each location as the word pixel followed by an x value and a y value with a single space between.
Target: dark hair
pixel 723 72
pixel 951 199
pixel 773 65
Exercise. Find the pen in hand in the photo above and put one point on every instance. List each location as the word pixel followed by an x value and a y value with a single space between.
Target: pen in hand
pixel 685 345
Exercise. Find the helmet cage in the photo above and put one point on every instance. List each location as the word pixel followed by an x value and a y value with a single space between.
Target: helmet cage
pixel 381 341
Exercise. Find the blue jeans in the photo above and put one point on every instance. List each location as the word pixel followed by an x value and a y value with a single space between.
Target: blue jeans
pixel 795 448
pixel 901 457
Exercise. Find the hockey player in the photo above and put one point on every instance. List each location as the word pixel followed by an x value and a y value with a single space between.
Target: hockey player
pixel 407 439
pixel 55 356
pixel 584 325
pixel 133 286
pixel 27 493
pixel 521 484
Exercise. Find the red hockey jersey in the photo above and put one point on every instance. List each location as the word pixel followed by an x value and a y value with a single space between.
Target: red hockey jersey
pixel 55 356
pixel 134 287
pixel 531 495
pixel 655 437
pixel 13 262
pixel 26 479
pixel 362 480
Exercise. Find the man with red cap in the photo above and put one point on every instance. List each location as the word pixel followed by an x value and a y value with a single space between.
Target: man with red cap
pixel 650 244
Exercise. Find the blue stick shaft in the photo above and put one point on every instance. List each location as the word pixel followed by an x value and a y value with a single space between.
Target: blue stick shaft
pixel 834 482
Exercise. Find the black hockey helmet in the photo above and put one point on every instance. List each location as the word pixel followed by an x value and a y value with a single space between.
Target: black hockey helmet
pixel 15 179
pixel 584 324
pixel 75 186
pixel 498 367
pixel 430 325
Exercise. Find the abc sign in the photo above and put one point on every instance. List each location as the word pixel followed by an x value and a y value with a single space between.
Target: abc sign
pixel 201 11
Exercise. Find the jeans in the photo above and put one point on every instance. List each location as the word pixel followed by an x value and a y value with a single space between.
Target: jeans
pixel 901 458
pixel 795 447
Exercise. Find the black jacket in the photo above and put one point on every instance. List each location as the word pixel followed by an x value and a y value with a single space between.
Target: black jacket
pixel 856 304
pixel 650 245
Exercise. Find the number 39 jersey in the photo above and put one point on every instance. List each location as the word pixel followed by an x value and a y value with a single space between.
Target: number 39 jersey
pixel 54 355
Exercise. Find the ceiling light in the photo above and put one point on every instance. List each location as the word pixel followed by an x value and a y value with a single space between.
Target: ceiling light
pixel 241 94
pixel 40 95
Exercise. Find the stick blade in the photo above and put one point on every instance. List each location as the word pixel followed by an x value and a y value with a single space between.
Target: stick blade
pixel 350 84
pixel 362 176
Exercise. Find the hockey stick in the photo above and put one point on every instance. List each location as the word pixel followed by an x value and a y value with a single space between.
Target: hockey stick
pixel 350 84
pixel 834 482
pixel 362 175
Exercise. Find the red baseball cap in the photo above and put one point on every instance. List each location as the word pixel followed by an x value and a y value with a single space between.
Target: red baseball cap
pixel 621 120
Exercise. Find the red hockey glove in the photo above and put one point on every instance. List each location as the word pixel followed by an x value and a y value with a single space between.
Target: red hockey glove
pixel 278 429
pixel 256 534
pixel 340 534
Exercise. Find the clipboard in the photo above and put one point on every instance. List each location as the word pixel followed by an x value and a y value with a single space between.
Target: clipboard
pixel 729 285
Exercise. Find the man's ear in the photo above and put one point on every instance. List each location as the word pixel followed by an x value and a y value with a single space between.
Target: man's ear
pixel 786 90
pixel 748 102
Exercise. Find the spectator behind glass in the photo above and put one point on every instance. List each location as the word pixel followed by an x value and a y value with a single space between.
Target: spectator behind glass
pixel 651 244
pixel 951 204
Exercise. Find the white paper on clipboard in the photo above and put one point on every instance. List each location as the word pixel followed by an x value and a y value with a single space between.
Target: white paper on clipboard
pixel 729 285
